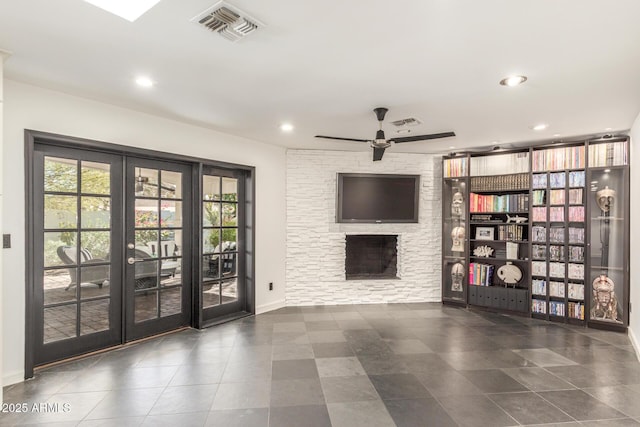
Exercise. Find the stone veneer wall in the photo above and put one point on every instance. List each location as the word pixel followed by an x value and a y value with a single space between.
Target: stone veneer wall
pixel 315 272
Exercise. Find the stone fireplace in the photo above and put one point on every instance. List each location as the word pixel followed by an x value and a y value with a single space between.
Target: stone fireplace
pixel 371 256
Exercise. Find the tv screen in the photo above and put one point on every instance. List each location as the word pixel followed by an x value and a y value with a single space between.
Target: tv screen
pixel 377 198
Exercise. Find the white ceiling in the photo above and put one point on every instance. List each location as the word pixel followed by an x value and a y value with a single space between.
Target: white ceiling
pixel 324 65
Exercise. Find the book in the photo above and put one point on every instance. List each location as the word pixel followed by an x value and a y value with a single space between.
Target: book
pixel 575 196
pixel 556 234
pixel 576 310
pixel 556 253
pixel 556 289
pixel 539 233
pixel 557 180
pixel 556 197
pixel 538 268
pixel 576 253
pixel 576 179
pixel 608 154
pixel 576 235
pixel 512 250
pixel 556 269
pixel 556 308
pixel 538 306
pixel 455 167
pixel 575 291
pixel 538 252
pixel 539 180
pixel 539 214
pixel 500 164
pixel 576 213
pixel 556 214
pixel 538 197
pixel 575 271
pixel 539 287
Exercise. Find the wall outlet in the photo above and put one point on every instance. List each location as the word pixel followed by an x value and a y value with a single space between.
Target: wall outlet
pixel 270 286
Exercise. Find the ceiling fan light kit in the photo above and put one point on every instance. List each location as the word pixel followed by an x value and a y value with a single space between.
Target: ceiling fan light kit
pixel 381 143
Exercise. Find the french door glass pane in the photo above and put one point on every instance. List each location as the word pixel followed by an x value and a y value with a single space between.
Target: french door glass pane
pixel 95 246
pixel 95 212
pixel 211 214
pixel 211 240
pixel 171 274
pixel 170 214
pixel 94 316
pixel 146 274
pixel 170 301
pixel 147 213
pixel 60 322
pixel 171 185
pixel 56 283
pixel 146 182
pixel 229 214
pixel 210 187
pixel 210 294
pixel 95 281
pixel 96 178
pixel 59 248
pixel 146 242
pixel 146 306
pixel 60 175
pixel 229 189
pixel 60 211
pixel 229 290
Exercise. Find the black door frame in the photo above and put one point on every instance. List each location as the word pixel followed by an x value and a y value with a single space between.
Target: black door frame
pixel 133 330
pixel 95 341
pixel 215 313
pixel 33 137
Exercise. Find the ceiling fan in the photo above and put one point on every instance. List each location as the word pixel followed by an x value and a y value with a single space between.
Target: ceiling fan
pixel 380 143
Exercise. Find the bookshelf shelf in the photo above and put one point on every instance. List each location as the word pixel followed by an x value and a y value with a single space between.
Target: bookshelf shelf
pixel 565 241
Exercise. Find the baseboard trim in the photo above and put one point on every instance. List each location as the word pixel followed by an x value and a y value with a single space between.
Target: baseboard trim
pixel 635 342
pixel 270 307
pixel 10 379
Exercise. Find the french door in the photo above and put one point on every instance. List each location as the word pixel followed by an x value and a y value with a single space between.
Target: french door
pixel 77 241
pixel 223 271
pixel 111 252
pixel 157 248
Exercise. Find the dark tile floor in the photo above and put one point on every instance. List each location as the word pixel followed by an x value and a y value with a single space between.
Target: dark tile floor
pixel 363 365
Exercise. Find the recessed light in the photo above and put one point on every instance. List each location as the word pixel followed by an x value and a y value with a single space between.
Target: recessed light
pixel 607 170
pixel 451 147
pixel 555 135
pixel 403 131
pixel 541 126
pixel 608 129
pixel 127 9
pixel 512 81
pixel 494 142
pixel 286 127
pixel 144 81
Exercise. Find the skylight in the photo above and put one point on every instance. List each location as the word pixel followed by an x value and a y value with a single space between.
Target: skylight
pixel 127 9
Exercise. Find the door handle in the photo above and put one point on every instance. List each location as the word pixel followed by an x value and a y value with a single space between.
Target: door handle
pixel 133 260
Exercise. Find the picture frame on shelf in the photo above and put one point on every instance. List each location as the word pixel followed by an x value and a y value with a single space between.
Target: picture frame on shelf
pixel 485 233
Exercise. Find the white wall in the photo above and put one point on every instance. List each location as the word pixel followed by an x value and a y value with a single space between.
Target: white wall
pixel 316 243
pixel 3 55
pixel 634 318
pixel 30 107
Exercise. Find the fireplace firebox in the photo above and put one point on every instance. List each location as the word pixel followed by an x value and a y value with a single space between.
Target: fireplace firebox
pixel 371 256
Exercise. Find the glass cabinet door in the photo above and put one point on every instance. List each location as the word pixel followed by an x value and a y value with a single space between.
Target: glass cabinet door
pixel 454 240
pixel 608 279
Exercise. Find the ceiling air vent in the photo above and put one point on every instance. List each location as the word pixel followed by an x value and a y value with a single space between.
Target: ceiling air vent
pixel 228 21
pixel 411 121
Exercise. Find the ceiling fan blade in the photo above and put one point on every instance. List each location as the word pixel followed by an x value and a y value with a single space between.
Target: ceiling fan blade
pixel 343 139
pixel 377 153
pixel 423 137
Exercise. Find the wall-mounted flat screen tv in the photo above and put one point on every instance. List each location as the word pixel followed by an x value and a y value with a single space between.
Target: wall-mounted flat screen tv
pixel 377 198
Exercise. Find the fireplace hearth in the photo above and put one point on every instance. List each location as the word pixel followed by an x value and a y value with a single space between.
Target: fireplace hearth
pixel 371 256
